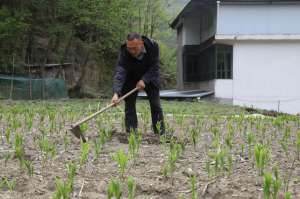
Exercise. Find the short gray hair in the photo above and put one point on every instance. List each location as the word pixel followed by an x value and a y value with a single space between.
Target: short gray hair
pixel 133 35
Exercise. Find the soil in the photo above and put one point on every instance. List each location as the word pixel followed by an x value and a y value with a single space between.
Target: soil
pixel 92 179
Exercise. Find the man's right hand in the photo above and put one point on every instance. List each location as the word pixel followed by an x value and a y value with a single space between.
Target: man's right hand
pixel 115 99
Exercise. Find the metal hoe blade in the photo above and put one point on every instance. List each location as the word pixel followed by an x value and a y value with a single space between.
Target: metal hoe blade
pixel 77 132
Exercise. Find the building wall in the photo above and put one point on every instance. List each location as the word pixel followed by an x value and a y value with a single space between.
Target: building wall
pixel 273 19
pixel 199 26
pixel 266 75
pixel 223 88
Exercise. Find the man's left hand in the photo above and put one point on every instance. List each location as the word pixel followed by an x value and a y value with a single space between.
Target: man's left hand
pixel 141 85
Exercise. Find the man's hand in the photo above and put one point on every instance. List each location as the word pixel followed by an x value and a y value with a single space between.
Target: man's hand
pixel 141 85
pixel 115 99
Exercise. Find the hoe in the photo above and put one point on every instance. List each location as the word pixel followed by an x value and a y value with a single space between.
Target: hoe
pixel 75 128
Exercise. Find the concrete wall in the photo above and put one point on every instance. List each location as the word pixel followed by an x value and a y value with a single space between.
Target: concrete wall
pixel 199 26
pixel 273 19
pixel 223 88
pixel 266 75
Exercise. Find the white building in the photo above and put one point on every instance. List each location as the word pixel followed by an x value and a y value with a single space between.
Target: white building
pixel 244 50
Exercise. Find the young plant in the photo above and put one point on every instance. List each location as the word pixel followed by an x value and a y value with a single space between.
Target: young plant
pixel 47 149
pixel 52 115
pixel 63 190
pixel 267 185
pixel 219 159
pixel 174 154
pixel 11 184
pixel 114 189
pixel 122 159
pixel 29 167
pixel 8 134
pixel 287 195
pixel 276 184
pixel 261 155
pixel 66 142
pixel 19 148
pixel 298 145
pixel 131 187
pixel 194 135
pixel 71 174
pixel 271 185
pixel 134 142
pixel 250 141
pixel 194 188
pixel 84 152
pixel 97 147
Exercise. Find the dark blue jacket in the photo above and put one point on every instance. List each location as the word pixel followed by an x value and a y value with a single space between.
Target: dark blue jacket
pixel 130 70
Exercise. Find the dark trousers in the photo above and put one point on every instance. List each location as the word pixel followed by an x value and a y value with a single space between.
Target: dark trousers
pixel 156 111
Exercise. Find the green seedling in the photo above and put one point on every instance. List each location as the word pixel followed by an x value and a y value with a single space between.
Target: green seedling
pixel 122 159
pixel 114 189
pixel 8 134
pixel 276 184
pixel 97 147
pixel 267 185
pixel 47 149
pixel 229 139
pixel 219 159
pixel 298 145
pixel 29 120
pixel 84 152
pixel 134 142
pixel 29 167
pixel 271 185
pixel 194 188
pixel 250 141
pixel 19 148
pixel 63 190
pixel 66 142
pixel 71 174
pixel 194 135
pixel 287 195
pixel 131 187
pixel 9 184
pixel 208 168
pixel 174 154
pixel 261 155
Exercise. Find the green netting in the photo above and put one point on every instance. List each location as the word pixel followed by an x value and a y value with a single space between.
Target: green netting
pixel 29 88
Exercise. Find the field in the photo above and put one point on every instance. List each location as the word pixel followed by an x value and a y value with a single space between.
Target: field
pixel 217 151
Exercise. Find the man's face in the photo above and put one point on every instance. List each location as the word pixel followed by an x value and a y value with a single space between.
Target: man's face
pixel 135 47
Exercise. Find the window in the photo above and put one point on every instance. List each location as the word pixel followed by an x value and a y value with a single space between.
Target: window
pixel 198 65
pixel 206 62
pixel 224 62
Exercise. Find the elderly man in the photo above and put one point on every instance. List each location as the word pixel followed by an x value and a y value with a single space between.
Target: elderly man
pixel 138 66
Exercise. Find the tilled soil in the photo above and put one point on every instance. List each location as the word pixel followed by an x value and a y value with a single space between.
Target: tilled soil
pixel 91 180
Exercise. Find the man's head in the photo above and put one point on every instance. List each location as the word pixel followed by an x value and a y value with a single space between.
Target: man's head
pixel 134 44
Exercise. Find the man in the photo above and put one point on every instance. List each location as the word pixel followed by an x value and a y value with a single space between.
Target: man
pixel 138 66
